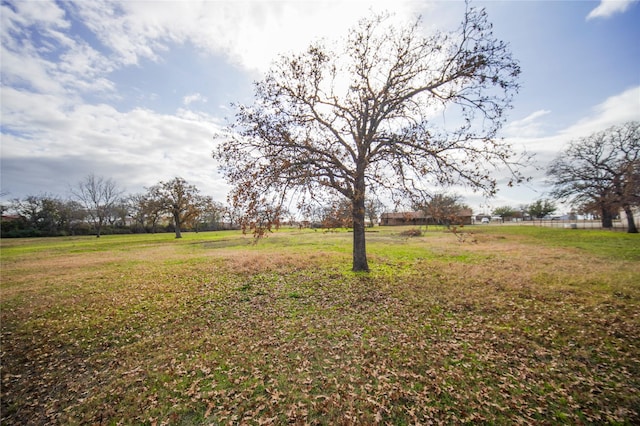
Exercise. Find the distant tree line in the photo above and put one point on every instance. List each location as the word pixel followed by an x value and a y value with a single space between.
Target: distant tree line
pixel 598 174
pixel 539 209
pixel 544 208
pixel 98 206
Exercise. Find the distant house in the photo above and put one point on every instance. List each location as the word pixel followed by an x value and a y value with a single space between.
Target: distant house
pixel 421 218
pixel 403 218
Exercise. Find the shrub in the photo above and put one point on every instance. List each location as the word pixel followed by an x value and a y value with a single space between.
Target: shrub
pixel 413 232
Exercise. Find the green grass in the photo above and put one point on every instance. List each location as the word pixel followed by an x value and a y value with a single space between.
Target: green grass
pixel 606 243
pixel 518 324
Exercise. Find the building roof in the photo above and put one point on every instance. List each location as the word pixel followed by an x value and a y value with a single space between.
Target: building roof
pixel 405 215
pixel 420 214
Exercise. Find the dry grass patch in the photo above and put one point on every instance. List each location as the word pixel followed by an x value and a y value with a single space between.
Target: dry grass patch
pixel 254 262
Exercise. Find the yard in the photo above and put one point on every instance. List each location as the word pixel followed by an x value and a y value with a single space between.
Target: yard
pixel 501 325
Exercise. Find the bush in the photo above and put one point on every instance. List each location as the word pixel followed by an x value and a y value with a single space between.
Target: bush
pixel 413 232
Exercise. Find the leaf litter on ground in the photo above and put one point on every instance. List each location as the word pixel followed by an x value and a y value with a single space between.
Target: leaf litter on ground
pixel 439 332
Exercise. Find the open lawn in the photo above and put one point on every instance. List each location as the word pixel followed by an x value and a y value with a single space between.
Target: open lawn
pixel 512 325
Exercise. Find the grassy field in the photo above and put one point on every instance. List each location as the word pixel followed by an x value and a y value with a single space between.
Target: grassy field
pixel 513 325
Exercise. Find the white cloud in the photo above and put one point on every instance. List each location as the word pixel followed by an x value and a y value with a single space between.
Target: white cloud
pixel 51 62
pixel 195 97
pixel 530 126
pixel 137 148
pixel 31 114
pixel 54 129
pixel 250 33
pixel 26 68
pixel 615 110
pixel 44 14
pixel 607 8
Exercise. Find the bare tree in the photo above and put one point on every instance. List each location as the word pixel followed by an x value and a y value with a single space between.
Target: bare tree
pixel 445 209
pixel 373 208
pixel 601 170
pixel 328 123
pixel 98 196
pixel 211 214
pixel 338 214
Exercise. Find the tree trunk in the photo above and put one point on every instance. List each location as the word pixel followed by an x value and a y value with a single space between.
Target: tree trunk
pixel 360 263
pixel 607 218
pixel 176 221
pixel 631 228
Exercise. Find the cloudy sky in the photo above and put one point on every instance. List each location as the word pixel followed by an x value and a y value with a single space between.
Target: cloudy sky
pixel 135 90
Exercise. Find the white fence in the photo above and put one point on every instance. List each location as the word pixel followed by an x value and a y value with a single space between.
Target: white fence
pixel 562 223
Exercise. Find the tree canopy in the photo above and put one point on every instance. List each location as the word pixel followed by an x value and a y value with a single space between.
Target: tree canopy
pixel 541 208
pixel 601 169
pixel 369 116
pixel 506 212
pixel 445 209
pixel 181 200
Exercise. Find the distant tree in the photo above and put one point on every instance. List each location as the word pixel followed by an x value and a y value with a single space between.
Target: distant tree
pixel 40 213
pixel 120 214
pixel 232 215
pixel 151 209
pixel 98 196
pixel 337 122
pixel 52 218
pixel 373 208
pixel 338 215
pixel 505 212
pixel 445 209
pixel 47 215
pixel 179 199
pixel 73 214
pixel 3 205
pixel 541 208
pixel 602 169
pixel 29 209
pixel 205 214
pixel 211 216
pixel 595 209
pixel 313 215
pixel 523 211
pixel 134 202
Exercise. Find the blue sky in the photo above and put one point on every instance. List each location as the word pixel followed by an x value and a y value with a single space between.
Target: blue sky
pixel 135 90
